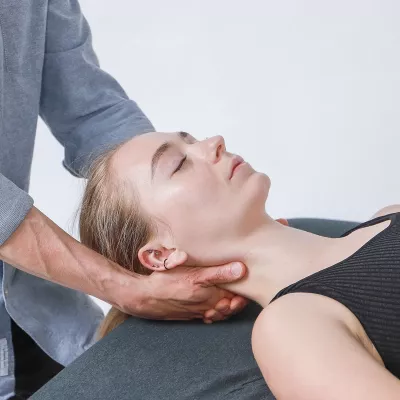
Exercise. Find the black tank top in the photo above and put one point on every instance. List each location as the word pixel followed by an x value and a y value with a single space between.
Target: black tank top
pixel 368 284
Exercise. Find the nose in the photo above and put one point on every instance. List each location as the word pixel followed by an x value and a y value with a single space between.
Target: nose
pixel 216 147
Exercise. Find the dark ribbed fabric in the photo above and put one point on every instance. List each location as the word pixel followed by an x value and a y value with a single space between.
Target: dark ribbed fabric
pixel 368 284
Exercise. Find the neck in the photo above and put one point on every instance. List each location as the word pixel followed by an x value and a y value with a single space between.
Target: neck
pixel 276 256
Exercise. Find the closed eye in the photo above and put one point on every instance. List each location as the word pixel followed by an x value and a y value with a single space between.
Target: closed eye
pixel 180 164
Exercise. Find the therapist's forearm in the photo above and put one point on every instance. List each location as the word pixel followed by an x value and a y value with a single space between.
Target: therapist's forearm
pixel 41 248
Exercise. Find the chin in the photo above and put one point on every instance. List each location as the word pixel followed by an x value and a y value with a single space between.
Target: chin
pixel 260 184
pixel 255 195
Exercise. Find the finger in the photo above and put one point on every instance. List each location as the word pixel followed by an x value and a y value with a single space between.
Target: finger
pixel 238 303
pixel 224 306
pixel 207 321
pixel 222 274
pixel 209 314
pixel 214 315
pixel 217 316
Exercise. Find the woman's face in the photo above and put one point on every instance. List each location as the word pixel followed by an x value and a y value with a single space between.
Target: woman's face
pixel 188 184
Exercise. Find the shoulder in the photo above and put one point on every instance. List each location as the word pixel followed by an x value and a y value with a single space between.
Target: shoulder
pixel 299 316
pixel 298 309
pixel 395 208
pixel 294 334
pixel 306 350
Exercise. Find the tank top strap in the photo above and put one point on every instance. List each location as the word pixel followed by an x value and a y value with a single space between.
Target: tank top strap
pixel 374 221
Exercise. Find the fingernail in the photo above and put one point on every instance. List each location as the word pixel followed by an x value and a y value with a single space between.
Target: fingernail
pixel 236 269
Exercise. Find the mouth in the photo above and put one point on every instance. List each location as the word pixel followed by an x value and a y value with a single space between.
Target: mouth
pixel 236 161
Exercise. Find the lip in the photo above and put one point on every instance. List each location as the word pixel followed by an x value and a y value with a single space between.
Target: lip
pixel 235 162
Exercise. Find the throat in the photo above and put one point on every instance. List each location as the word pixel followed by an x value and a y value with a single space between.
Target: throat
pixel 276 257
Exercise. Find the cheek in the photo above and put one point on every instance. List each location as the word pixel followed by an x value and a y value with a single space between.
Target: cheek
pixel 180 205
pixel 190 194
pixel 188 207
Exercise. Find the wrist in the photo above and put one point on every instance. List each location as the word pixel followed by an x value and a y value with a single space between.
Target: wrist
pixel 122 289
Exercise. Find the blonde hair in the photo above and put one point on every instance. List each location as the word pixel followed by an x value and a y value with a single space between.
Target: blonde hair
pixel 113 224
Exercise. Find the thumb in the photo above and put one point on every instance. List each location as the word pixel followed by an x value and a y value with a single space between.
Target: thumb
pixel 222 274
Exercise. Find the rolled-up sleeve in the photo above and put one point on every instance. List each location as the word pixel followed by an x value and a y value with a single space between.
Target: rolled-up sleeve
pixel 84 107
pixel 14 205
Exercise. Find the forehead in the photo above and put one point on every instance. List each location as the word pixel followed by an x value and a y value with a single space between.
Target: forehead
pixel 134 156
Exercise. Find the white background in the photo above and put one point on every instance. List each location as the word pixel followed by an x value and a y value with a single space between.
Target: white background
pixel 306 91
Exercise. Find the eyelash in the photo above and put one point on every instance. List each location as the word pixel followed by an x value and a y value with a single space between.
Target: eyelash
pixel 181 164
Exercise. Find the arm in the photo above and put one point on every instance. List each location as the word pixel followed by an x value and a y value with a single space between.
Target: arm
pixel 83 106
pixel 306 351
pixel 40 247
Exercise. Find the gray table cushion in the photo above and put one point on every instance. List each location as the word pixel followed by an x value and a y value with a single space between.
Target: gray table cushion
pixel 152 360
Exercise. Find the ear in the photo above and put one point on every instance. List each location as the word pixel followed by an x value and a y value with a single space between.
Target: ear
pixel 157 257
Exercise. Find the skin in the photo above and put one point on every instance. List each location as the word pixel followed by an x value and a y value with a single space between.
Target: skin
pixel 41 248
pixel 205 218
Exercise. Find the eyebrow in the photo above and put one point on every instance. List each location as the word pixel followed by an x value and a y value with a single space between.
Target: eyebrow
pixel 161 151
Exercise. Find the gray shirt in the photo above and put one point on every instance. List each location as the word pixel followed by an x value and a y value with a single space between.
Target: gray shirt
pixel 48 68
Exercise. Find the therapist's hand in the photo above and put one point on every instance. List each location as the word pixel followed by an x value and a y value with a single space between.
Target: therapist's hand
pixel 185 293
pixel 40 247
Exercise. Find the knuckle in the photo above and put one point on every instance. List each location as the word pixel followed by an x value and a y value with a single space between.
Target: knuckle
pixel 220 274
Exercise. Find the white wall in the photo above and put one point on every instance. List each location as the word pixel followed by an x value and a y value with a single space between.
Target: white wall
pixel 307 91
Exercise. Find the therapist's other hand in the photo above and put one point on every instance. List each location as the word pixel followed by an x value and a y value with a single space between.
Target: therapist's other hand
pixel 225 308
pixel 185 293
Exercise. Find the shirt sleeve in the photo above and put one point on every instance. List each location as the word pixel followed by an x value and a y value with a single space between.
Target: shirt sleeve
pixel 14 205
pixel 84 107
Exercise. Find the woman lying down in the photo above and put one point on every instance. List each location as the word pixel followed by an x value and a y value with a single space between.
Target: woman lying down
pixel 330 325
